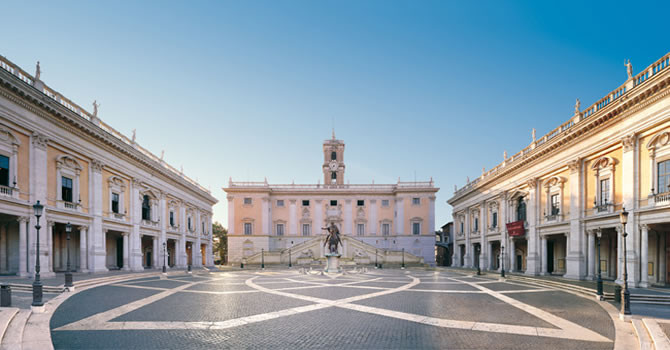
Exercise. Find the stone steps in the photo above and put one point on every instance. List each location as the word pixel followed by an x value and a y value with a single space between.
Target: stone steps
pixel 658 338
pixel 642 334
pixel 13 336
pixel 6 316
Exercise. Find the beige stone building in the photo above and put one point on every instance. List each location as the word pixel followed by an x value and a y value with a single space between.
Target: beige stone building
pixel 376 220
pixel 547 204
pixel 129 209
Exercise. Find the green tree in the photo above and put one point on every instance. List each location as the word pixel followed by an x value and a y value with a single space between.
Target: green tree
pixel 220 237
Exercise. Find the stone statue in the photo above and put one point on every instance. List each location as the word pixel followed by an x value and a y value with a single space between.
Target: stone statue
pixel 505 155
pixel 162 154
pixel 577 105
pixel 95 108
pixel 533 134
pixel 333 238
pixel 629 69
pixel 38 71
pixel 467 178
pixel 134 130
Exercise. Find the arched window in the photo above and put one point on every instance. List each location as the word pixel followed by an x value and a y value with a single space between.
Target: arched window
pixel 146 208
pixel 333 175
pixel 521 210
pixel 333 155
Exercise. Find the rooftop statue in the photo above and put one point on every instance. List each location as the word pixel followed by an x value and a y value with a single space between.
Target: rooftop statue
pixel 95 108
pixel 38 71
pixel 629 69
pixel 577 105
pixel 533 134
pixel 333 238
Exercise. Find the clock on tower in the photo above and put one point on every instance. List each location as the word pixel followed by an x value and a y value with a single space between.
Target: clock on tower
pixel 333 161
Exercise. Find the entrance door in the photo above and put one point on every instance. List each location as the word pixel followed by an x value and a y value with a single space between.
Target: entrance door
pixel 550 256
pixel 148 255
pixel 119 252
pixel 519 262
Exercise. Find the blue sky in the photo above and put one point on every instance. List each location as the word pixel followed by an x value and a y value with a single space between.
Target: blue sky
pixel 250 89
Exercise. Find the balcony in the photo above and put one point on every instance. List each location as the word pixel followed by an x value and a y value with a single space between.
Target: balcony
pixel 555 216
pixel 117 216
pixel 74 206
pixel 150 223
pixel 602 207
pixel 6 191
pixel 662 198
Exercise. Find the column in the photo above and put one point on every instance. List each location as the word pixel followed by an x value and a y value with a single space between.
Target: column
pixel 50 247
pixel 512 255
pixel 662 266
pixel 157 253
pixel 592 255
pixel 575 263
pixel 83 251
pixel 533 213
pixel 135 244
pixel 265 222
pixel 619 256
pixel 3 247
pixel 126 251
pixel 98 236
pixel 38 191
pixel 23 246
pixel 483 223
pixel 400 218
pixel 491 257
pixel 466 257
pixel 231 215
pixel 544 256
pixel 644 255
pixel 431 214
pixel 373 225
pixel 163 222
pixel 292 218
pixel 629 183
pixel 182 258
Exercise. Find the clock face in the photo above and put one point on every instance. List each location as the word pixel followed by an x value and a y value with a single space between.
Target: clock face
pixel 333 165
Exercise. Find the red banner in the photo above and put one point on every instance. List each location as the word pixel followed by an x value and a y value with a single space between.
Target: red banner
pixel 516 228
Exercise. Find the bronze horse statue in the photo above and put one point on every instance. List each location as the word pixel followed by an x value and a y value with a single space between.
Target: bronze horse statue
pixel 333 238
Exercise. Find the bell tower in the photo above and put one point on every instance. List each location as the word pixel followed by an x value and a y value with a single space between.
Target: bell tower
pixel 333 161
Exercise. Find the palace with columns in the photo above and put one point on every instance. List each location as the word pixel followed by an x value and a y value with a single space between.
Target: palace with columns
pixel 386 220
pixel 547 209
pixel 128 208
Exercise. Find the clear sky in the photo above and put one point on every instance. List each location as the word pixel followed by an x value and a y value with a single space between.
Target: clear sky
pixel 250 89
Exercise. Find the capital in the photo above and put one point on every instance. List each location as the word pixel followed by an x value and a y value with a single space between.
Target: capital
pixel 82 227
pixel 532 183
pixel 574 165
pixel 23 219
pixel 644 227
pixel 628 142
pixel 40 141
pixel 97 165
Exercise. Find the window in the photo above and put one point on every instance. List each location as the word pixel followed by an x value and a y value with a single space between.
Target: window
pixel 386 229
pixel 280 202
pixel 146 208
pixel 280 229
pixel 247 201
pixel 360 229
pixel 247 228
pixel 333 203
pixel 494 219
pixel 333 155
pixel 462 229
pixel 555 205
pixel 521 210
pixel 305 203
pixel 416 201
pixel 333 175
pixel 306 230
pixel 203 227
pixel 416 228
pixel 385 202
pixel 189 223
pixel 115 203
pixel 172 218
pixel 360 202
pixel 4 171
pixel 66 189
pixel 664 176
pixel 476 224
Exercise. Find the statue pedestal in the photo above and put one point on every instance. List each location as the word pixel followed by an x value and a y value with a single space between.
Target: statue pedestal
pixel 333 265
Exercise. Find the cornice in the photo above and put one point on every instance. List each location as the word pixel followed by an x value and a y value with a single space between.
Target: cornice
pixel 38 103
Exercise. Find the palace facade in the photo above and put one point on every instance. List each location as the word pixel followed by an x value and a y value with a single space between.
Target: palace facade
pixel 377 221
pixel 128 209
pixel 553 208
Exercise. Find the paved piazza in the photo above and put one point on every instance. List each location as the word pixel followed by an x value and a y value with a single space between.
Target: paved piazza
pixel 378 309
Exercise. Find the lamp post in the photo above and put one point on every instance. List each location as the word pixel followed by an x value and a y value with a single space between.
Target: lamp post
pixel 68 272
pixel 37 284
pixel 625 294
pixel 599 281
pixel 289 258
pixel 262 258
pixel 403 258
pixel 376 258
pixel 164 256
pixel 479 250
pixel 502 261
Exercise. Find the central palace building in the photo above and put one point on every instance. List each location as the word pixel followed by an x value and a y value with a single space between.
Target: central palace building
pixel 387 223
pixel 545 209
pixel 128 208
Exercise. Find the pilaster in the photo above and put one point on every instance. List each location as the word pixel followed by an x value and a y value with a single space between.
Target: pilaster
pixel 575 261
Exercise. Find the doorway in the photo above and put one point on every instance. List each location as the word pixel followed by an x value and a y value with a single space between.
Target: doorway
pixel 550 256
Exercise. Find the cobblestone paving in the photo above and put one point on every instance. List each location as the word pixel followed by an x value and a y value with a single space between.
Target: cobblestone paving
pixel 380 309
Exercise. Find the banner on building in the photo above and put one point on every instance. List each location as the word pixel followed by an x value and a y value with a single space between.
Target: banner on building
pixel 516 228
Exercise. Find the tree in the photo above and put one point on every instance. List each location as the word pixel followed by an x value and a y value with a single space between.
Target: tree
pixel 220 237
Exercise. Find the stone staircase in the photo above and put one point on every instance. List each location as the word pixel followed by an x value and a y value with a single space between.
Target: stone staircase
pixel 20 329
pixel 650 335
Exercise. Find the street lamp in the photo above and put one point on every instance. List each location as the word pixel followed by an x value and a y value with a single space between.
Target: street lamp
pixel 37 284
pixel 289 258
pixel 502 261
pixel 625 294
pixel 164 256
pixel 403 258
pixel 376 258
pixel 262 258
pixel 599 281
pixel 68 272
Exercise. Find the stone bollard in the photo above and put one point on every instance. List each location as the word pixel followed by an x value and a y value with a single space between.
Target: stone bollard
pixel 5 295
pixel 617 294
